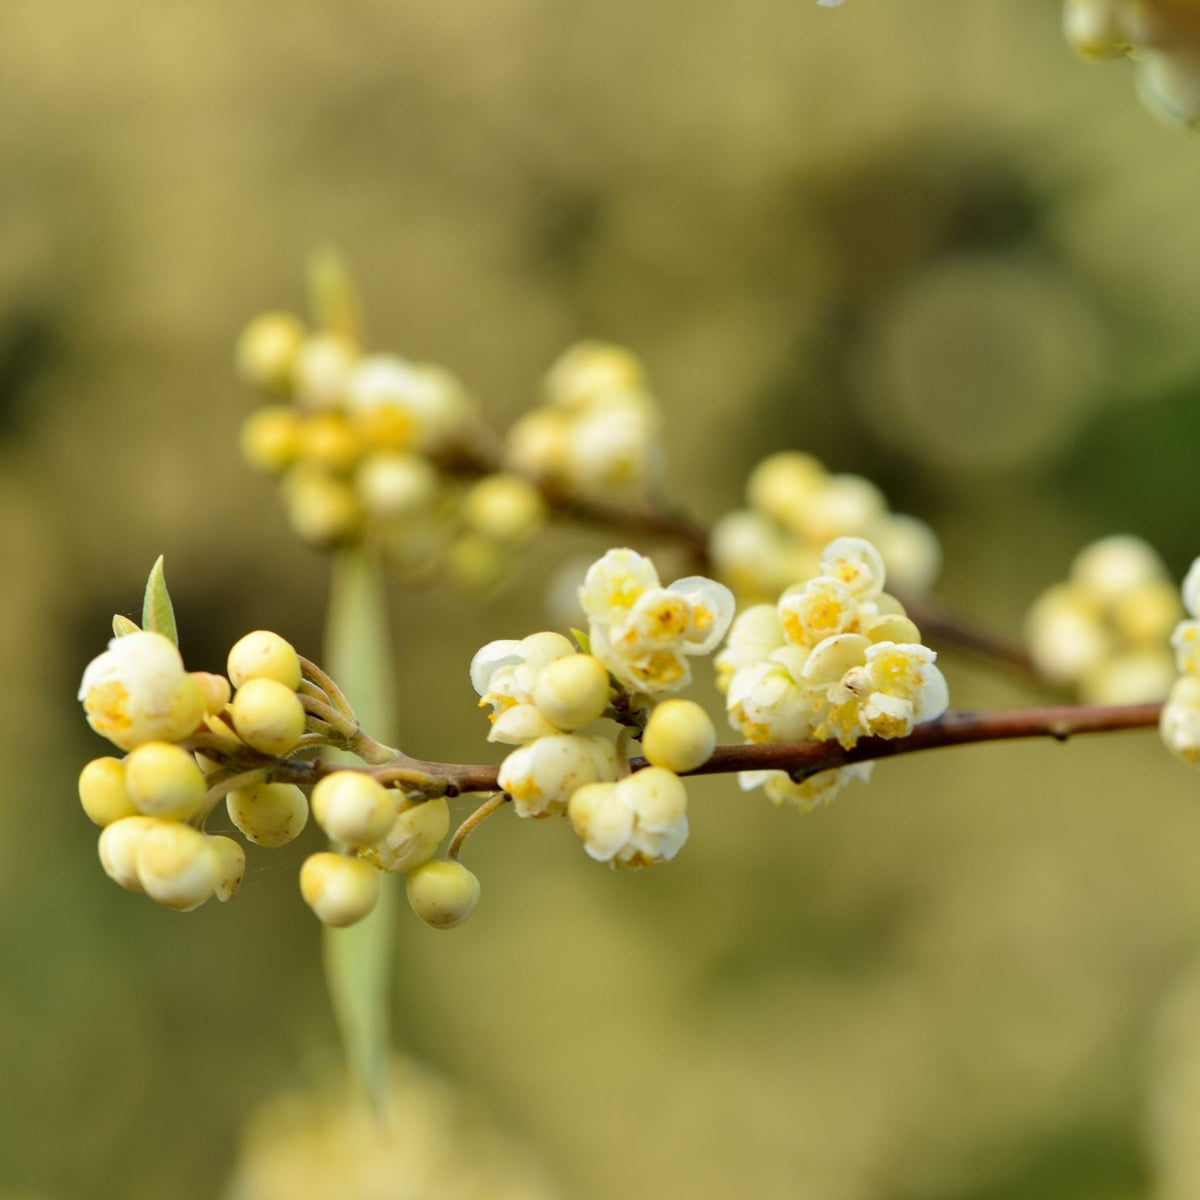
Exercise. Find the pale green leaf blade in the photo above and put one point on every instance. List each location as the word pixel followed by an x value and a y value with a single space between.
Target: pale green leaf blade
pixel 332 296
pixel 360 961
pixel 582 640
pixel 123 626
pixel 158 613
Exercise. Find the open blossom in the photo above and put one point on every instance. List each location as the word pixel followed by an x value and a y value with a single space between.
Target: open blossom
pixel 814 791
pixel 542 776
pixel 644 633
pixel 138 691
pixel 504 673
pixel 634 823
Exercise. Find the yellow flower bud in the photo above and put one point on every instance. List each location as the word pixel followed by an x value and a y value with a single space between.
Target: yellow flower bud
pixel 264 655
pixel 177 866
pixel 571 692
pixel 118 847
pixel 268 715
pixel 329 440
pixel 267 349
pixel 783 483
pixel 443 893
pixel 414 836
pixel 269 814
pixel 164 781
pixel 102 791
pixel 230 865
pixel 270 439
pixel 215 689
pixel 320 369
pixel 679 736
pixel 476 563
pixel 353 808
pixel 504 508
pixel 323 511
pixel 340 890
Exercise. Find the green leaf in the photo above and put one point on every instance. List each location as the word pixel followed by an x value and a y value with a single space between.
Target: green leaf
pixel 123 626
pixel 158 614
pixel 582 640
pixel 360 960
pixel 332 296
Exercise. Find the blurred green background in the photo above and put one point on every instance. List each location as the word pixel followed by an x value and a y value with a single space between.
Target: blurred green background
pixel 916 239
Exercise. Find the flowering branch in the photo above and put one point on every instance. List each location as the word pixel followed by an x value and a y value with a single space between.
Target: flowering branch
pixel 799 759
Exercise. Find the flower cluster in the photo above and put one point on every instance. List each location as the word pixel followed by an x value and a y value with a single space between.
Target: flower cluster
pixel 598 436
pixel 373 442
pixel 1180 721
pixel 193 739
pixel 1104 631
pixel 644 633
pixel 795 507
pixel 542 691
pixel 1162 37
pixel 836 658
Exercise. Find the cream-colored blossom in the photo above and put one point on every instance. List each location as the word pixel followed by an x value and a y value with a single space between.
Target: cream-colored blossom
pixel 634 823
pixel 541 776
pixel 813 792
pixel 138 691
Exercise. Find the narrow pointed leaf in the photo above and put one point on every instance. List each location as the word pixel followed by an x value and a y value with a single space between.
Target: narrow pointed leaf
pixel 582 640
pixel 360 960
pixel 123 626
pixel 332 296
pixel 158 614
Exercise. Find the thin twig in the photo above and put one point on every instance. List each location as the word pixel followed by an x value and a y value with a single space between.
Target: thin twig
pixel 490 805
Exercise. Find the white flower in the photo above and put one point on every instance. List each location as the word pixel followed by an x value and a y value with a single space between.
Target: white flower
pixel 138 691
pixel 424 400
pixel 812 793
pixel 504 674
pixel 856 565
pixel 1066 633
pixel 634 823
pixel 541 776
pixel 613 448
pixel 769 702
pixel 588 372
pixel 1180 721
pixel 815 610
pixel 1191 589
pixel 643 632
pixel 754 634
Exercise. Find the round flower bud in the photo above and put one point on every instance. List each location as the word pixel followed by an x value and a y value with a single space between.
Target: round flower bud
pixel 504 508
pixel 1112 566
pixel 329 440
pixel 476 563
pixel 270 439
pixel 230 865
pixel 571 692
pixel 679 736
pixel 323 511
pixel 340 890
pixel 137 691
pixel 537 445
pixel 102 791
pixel 119 844
pixel 353 808
pixel 264 655
pixel 268 716
pixel 414 836
pixel 267 349
pixel 269 814
pixel 164 781
pixel 396 485
pixel 783 483
pixel 320 370
pixel 443 893
pixel 177 866
pixel 215 688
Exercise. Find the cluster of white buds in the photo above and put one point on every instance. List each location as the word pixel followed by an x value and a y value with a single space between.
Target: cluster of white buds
pixel 598 437
pixel 796 507
pixel 194 738
pixel 836 658
pixel 1180 721
pixel 543 691
pixel 1105 630
pixel 1161 36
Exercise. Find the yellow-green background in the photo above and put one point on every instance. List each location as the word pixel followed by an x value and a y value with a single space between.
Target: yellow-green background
pixel 913 237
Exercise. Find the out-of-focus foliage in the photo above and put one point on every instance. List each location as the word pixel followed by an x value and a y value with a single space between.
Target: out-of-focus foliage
pixel 918 240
